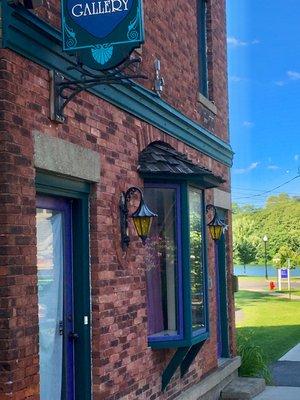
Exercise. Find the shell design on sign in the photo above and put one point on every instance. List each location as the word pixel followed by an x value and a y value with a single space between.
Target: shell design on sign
pixel 102 53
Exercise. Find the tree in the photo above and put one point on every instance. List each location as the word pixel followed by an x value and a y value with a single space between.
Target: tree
pixel 285 258
pixel 245 253
pixel 279 220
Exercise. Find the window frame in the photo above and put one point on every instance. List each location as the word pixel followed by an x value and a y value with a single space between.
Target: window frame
pixel 189 336
pixel 202 48
pixel 179 289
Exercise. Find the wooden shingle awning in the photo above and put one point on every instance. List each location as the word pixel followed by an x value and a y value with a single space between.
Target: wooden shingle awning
pixel 162 161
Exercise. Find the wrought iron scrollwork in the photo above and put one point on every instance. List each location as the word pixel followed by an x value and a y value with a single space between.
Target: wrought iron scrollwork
pixel 63 90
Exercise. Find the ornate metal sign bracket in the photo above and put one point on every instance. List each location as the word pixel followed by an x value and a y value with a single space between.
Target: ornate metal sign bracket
pixel 64 90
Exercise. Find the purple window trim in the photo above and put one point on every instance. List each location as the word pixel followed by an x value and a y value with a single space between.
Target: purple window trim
pixel 64 205
pixel 179 262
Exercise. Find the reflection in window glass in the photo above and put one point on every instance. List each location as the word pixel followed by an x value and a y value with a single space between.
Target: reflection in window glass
pixel 161 263
pixel 196 260
pixel 50 294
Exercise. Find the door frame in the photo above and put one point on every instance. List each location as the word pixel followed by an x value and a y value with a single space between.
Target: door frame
pixel 78 191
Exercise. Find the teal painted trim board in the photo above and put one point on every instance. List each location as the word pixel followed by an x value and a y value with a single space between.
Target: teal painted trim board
pixel 36 40
pixel 189 358
pixel 174 363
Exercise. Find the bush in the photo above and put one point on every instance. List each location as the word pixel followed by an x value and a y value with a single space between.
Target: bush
pixel 253 359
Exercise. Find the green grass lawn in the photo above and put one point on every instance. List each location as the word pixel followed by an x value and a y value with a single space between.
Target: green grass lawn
pixel 296 292
pixel 263 279
pixel 252 278
pixel 275 322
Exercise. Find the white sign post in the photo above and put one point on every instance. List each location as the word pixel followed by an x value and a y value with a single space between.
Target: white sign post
pixel 289 278
pixel 279 278
pixel 283 274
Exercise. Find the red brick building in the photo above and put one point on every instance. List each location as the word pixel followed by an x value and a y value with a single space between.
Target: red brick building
pixel 79 317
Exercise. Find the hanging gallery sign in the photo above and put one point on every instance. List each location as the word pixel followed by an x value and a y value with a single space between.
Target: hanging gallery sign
pixel 102 33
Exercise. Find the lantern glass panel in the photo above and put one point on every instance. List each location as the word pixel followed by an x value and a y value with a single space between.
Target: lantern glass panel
pixel 215 231
pixel 142 226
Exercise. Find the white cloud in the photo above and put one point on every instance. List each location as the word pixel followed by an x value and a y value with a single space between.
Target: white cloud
pixel 273 167
pixel 248 124
pixel 293 75
pixel 235 42
pixel 296 157
pixel 235 78
pixel 251 167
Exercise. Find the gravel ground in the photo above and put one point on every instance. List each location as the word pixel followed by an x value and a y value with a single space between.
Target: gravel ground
pixel 261 285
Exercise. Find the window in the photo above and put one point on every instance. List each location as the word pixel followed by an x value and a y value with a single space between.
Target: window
pixel 164 263
pixel 196 260
pixel 202 46
pixel 175 267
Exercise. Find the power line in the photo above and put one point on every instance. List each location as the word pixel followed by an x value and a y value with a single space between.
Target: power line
pixel 268 191
pixel 243 189
pixel 237 195
pixel 266 195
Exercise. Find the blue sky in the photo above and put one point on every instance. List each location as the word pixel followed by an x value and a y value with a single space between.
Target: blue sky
pixel 264 87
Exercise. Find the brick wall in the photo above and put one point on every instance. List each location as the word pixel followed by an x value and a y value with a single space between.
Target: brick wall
pixel 123 365
pixel 171 36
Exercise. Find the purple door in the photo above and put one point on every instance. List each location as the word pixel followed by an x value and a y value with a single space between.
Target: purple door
pixel 55 294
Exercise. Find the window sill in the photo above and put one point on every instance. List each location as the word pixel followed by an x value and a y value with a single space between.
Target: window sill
pixel 207 103
pixel 176 343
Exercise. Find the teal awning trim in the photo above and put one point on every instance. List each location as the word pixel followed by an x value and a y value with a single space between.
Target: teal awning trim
pixel 26 34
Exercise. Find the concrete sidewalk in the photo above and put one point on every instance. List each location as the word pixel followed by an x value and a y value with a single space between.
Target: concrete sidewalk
pixel 286 371
pixel 286 378
pixel 279 393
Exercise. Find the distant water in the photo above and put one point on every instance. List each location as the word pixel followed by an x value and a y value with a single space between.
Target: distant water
pixel 259 270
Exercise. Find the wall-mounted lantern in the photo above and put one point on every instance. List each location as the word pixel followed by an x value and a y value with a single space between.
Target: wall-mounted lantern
pixel 215 226
pixel 142 217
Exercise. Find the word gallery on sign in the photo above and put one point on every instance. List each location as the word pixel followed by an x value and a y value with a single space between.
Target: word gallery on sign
pixel 99 7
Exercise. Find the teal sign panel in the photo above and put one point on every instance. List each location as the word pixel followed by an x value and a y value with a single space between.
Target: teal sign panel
pixel 102 33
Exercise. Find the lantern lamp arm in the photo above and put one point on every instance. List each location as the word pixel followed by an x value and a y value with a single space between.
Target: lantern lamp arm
pixel 123 206
pixel 130 192
pixel 214 210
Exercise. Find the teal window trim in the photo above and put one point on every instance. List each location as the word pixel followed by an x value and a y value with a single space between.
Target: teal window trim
pixel 36 40
pixel 202 46
pixel 220 248
pixel 204 258
pixel 187 349
pixel 78 191
pixel 189 338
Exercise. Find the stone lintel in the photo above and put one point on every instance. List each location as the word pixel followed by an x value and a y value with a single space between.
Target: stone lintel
pixel 65 158
pixel 222 199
